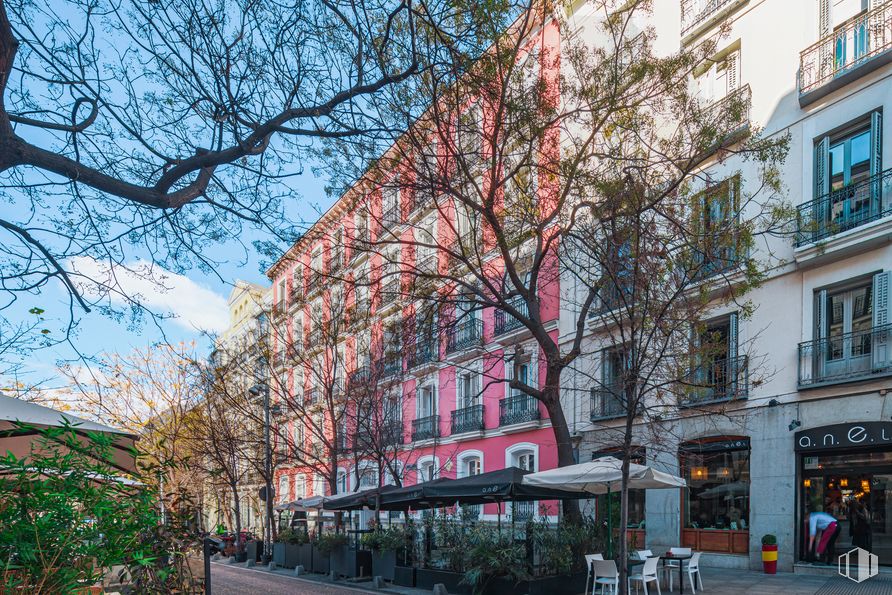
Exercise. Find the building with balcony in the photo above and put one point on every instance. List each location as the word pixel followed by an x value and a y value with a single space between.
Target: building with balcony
pixel 789 411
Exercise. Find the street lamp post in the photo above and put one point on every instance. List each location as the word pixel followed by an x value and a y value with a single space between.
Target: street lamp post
pixel 257 390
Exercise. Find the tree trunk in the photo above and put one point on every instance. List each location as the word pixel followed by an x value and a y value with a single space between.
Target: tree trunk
pixel 624 496
pixel 561 431
pixel 237 510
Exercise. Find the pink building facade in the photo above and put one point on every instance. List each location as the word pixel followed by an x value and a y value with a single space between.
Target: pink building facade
pixel 458 415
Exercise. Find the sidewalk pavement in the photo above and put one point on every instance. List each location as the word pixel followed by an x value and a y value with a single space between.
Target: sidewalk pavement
pixel 715 581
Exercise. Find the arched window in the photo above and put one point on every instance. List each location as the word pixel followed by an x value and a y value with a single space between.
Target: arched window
pixel 428 468
pixel 342 481
pixel 470 463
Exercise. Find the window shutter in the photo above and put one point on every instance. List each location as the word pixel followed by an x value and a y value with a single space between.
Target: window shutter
pixel 731 77
pixel 509 374
pixel 826 53
pixel 733 360
pixel 876 159
pixel 882 319
pixel 822 184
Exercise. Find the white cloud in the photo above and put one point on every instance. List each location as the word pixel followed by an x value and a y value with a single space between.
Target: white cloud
pixel 193 306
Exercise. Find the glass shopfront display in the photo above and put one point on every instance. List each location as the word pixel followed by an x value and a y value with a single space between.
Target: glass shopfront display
pixel 716 505
pixel 843 471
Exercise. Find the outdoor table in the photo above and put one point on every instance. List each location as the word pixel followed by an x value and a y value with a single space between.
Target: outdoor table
pixel 681 558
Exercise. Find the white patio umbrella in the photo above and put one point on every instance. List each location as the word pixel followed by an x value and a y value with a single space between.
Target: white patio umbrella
pixel 18 438
pixel 603 476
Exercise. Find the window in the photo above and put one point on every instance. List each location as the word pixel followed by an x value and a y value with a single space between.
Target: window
pixel 469 134
pixel 298 435
pixel 716 214
pixel 609 398
pixel 848 188
pixel 721 78
pixel 390 207
pixel 470 463
pixel 426 401
pixel 297 279
pixel 315 269
pixel 342 481
pixel 282 289
pixel 852 332
pixel 525 460
pixel 472 467
pixel 336 252
pixel 637 498
pixel 428 469
pixel 300 486
pixel 283 489
pixel 468 386
pixel 719 373
pixel 318 485
pixel 718 497
pixel 368 477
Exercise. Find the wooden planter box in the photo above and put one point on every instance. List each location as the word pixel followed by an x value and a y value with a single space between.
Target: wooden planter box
pixel 383 564
pixel 716 540
pixel 637 539
pixel 351 563
pixel 404 576
pixel 321 562
pixel 279 554
pixel 426 578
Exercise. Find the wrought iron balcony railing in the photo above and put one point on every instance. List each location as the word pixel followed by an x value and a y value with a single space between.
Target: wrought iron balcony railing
pixel 518 409
pixel 312 396
pixel 426 351
pixel 846 357
pixel 732 113
pixel 426 428
pixel 390 433
pixel 359 378
pixel 464 334
pixel 845 208
pixel 391 215
pixel 521 512
pixel 390 290
pixel 467 419
pixel 695 13
pixel 724 379
pixel 608 401
pixel 850 45
pixel 610 297
pixel 427 265
pixel 504 322
pixel 391 365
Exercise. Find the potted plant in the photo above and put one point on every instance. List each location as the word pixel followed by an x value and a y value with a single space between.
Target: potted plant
pixel 293 542
pixel 384 545
pixel 323 551
pixel 769 554
pixel 349 561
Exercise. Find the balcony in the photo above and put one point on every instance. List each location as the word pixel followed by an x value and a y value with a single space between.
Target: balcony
pixel 391 365
pixel 732 114
pixel 390 291
pixel 465 334
pixel 359 378
pixel 426 428
pixel 858 46
pixel 467 419
pixel 504 322
pixel 372 439
pixel 610 297
pixel 518 409
pixel 725 379
pixel 845 208
pixel 312 397
pixel 427 265
pixel 391 216
pixel 522 512
pixel 850 357
pixel 314 281
pixel 697 15
pixel 425 352
pixel 342 444
pixel 608 402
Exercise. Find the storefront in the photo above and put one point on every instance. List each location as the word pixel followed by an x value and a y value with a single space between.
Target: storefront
pixel 716 506
pixel 846 471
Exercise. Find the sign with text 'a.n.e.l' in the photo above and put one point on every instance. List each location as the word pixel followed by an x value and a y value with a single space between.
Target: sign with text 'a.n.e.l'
pixel 865 434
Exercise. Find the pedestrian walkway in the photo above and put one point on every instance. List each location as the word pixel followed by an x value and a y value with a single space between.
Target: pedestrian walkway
pixel 715 581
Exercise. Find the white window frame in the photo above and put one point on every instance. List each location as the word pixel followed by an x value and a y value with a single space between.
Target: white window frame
pixel 431 384
pixel 462 459
pixel 515 450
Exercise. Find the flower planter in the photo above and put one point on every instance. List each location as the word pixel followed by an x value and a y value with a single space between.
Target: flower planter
pixel 305 556
pixel 404 576
pixel 292 555
pixel 769 559
pixel 351 563
pixel 321 561
pixel 383 564
pixel 426 578
pixel 279 554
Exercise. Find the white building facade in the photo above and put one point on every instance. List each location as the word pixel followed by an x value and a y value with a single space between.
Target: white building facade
pixel 810 426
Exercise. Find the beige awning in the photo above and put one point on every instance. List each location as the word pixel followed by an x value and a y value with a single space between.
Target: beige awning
pixel 20 421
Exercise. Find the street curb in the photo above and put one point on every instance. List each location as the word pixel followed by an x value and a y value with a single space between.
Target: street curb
pixel 339 585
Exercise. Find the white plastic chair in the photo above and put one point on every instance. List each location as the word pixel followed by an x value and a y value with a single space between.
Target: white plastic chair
pixel 606 575
pixel 648 574
pixel 671 566
pixel 644 554
pixel 693 568
pixel 589 558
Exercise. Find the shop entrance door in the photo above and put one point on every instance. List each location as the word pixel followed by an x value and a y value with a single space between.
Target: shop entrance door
pixel 857 490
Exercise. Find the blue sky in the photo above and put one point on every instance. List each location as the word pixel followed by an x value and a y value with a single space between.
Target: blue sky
pixel 195 301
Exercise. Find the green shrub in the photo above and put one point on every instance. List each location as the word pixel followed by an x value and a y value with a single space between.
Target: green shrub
pixel 489 555
pixel 769 539
pixel 328 542
pixel 292 537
